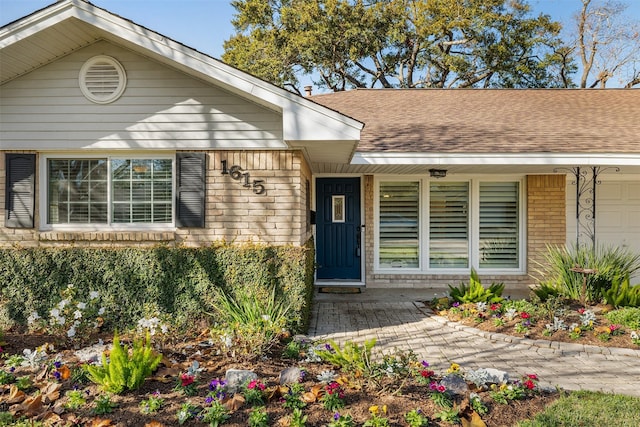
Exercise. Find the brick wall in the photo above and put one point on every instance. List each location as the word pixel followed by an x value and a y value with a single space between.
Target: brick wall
pixel 546 215
pixel 233 212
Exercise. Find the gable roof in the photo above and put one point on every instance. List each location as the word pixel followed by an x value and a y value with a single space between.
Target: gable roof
pixel 554 127
pixel 68 25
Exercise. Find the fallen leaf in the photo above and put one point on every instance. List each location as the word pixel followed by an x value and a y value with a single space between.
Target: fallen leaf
pixel 65 372
pixel 309 397
pixel 154 424
pixel 234 403
pixel 29 408
pixel 15 395
pixel 99 422
pixel 475 421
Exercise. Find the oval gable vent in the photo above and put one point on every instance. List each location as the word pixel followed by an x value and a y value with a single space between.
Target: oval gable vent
pixel 102 79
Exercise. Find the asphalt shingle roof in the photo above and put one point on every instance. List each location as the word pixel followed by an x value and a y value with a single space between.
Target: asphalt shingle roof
pixel 493 120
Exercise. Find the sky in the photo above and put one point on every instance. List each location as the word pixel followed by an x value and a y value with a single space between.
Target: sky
pixel 205 24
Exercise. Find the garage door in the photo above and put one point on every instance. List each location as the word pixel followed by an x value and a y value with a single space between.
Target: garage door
pixel 618 215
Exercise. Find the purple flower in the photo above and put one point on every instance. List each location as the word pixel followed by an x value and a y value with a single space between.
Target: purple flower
pixel 217 384
pixel 57 364
pixel 425 363
pixel 455 304
pixel 208 400
pixel 12 369
pixel 57 375
pixel 336 416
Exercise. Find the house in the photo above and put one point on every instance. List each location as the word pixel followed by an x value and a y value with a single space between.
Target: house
pixel 114 135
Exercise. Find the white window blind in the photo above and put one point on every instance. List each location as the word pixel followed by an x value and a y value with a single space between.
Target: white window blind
pixel 399 224
pixel 499 224
pixel 449 225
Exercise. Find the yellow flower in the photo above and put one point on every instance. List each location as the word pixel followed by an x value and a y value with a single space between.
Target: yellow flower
pixel 503 387
pixel 373 409
pixel 384 409
pixel 454 368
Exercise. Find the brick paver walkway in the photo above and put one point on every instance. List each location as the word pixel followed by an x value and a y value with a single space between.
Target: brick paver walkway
pixel 411 325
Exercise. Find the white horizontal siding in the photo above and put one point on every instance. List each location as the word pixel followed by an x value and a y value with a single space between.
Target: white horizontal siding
pixel 160 108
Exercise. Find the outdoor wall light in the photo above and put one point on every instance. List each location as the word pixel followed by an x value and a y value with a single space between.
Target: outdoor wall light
pixel 437 173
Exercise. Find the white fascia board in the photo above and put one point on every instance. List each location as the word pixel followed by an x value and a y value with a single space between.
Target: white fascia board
pixel 35 23
pixel 464 159
pixel 302 119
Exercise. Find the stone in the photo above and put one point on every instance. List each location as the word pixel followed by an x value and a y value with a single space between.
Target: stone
pixel 496 376
pixel 236 378
pixel 290 375
pixel 455 384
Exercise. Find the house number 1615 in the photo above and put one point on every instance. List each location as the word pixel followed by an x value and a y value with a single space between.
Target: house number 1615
pixel 237 173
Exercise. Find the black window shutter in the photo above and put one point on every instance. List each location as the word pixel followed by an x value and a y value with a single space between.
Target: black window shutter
pixel 190 194
pixel 20 197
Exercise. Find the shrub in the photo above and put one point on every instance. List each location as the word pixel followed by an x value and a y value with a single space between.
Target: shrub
pixel 352 358
pixel 121 371
pixel 608 262
pixel 621 294
pixel 176 282
pixel 475 292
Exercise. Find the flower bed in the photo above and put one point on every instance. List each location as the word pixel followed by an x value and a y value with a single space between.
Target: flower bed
pixel 190 387
pixel 591 325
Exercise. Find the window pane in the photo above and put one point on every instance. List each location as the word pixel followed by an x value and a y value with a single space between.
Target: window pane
pixel 399 224
pixel 499 225
pixel 449 225
pixel 76 191
pixel 142 190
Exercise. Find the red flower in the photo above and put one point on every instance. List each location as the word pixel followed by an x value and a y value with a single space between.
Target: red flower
pixel 186 379
pixel 525 315
pixel 427 373
pixel 441 388
pixel 494 307
pixel 529 384
pixel 532 376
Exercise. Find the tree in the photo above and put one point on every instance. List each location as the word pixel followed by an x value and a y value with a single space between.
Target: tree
pixel 397 43
pixel 607 44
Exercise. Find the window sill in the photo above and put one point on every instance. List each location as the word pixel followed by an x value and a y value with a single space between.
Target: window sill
pixel 107 236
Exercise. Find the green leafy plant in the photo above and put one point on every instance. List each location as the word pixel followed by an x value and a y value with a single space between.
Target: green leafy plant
pixel 258 417
pixel 298 419
pixel 253 322
pixel 351 358
pixel 24 383
pixel 475 292
pixel 377 417
pixel 6 377
pixel 342 421
pixel 152 404
pixel 121 371
pixel 622 294
pixel 76 399
pixel 415 418
pixel 187 411
pixel 215 414
pixel 104 405
pixel 293 398
pixel 629 317
pixel 449 415
pixel 604 263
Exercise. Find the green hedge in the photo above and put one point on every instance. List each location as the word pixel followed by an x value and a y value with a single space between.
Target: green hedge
pixel 134 282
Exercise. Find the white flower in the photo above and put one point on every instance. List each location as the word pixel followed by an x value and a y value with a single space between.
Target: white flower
pixel 70 286
pixel 164 329
pixel 101 311
pixel 77 314
pixel 62 304
pixel 71 332
pixel 54 312
pixel 326 376
pixel 634 335
pixel 61 320
pixel 32 318
pixel 93 295
pixel 266 317
pixel 82 305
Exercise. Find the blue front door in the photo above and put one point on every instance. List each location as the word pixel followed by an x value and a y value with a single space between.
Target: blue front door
pixel 338 231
